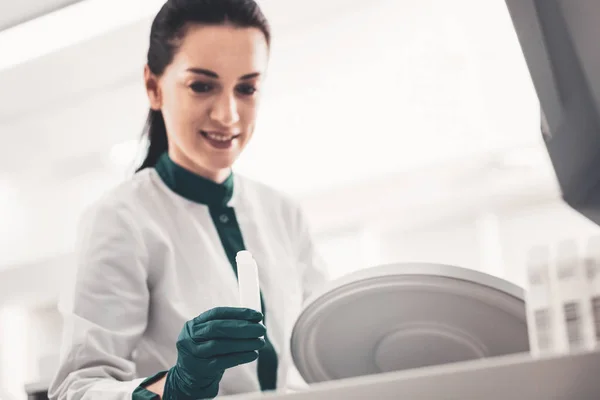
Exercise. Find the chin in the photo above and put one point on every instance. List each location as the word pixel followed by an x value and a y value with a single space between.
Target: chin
pixel 220 163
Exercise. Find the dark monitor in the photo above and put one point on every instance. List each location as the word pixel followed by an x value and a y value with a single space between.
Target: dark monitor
pixel 561 43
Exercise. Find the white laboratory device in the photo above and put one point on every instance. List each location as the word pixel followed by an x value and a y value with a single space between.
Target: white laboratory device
pixel 426 331
pixel 249 287
pixel 404 316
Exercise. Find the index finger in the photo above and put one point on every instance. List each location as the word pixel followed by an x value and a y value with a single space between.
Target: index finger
pixel 229 313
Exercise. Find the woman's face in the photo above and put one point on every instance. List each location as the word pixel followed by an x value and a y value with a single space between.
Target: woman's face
pixel 209 96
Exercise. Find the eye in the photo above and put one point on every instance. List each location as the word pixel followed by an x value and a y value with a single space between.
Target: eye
pixel 200 87
pixel 247 90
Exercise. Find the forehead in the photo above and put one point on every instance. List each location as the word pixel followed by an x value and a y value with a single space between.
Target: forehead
pixel 227 50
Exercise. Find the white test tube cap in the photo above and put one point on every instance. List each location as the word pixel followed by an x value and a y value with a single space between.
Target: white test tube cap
pixel 244 256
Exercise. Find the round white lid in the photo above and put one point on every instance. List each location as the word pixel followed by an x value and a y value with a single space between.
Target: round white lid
pixel 407 315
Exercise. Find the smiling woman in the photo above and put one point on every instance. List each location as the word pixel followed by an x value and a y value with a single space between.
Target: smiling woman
pixel 155 311
pixel 202 81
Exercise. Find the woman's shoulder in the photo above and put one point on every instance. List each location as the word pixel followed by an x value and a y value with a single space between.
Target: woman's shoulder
pixel 127 197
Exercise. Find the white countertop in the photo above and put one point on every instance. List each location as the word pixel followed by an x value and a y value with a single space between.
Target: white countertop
pixel 568 377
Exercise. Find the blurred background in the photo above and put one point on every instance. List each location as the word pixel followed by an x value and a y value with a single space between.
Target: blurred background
pixel 408 129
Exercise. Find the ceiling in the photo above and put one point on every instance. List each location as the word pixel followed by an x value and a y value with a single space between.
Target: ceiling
pixel 16 12
pixel 367 89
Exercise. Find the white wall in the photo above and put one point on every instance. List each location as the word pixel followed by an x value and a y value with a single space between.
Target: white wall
pixel 493 242
pixel 449 242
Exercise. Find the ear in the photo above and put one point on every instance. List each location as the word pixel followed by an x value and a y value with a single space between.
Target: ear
pixel 152 89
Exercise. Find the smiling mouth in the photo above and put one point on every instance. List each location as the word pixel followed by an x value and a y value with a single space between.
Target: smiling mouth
pixel 219 137
pixel 220 141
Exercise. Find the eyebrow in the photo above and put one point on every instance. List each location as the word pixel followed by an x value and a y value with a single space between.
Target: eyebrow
pixel 211 74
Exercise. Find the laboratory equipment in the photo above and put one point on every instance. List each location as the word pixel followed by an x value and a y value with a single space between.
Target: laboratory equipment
pixel 559 39
pixel 541 313
pixel 592 260
pixel 407 315
pixel 572 295
pixel 511 377
pixel 330 337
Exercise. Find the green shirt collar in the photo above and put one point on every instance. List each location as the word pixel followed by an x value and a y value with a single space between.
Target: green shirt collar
pixel 193 186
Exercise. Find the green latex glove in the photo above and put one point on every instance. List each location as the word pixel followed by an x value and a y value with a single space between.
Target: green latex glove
pixel 218 339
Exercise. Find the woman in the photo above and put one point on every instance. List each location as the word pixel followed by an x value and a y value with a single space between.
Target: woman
pixel 155 311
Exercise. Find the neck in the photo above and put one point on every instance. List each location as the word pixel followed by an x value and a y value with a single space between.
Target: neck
pixel 193 186
pixel 218 176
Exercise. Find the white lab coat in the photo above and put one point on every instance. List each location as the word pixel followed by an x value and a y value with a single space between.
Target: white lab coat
pixel 149 260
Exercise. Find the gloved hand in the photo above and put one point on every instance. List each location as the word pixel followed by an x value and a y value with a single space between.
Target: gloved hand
pixel 218 339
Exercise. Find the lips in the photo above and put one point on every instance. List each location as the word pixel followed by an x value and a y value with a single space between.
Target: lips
pixel 219 136
pixel 219 140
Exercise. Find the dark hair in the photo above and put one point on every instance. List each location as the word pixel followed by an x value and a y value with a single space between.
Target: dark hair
pixel 169 27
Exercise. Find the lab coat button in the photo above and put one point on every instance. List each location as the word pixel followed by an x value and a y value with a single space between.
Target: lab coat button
pixel 224 218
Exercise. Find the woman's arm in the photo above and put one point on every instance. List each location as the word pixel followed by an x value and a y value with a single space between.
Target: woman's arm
pixel 107 312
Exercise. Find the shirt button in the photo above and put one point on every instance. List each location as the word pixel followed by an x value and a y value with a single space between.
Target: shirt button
pixel 224 218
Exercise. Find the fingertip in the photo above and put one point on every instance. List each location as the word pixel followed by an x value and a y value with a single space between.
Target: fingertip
pixel 253 315
pixel 250 356
pixel 262 329
pixel 258 318
pixel 238 313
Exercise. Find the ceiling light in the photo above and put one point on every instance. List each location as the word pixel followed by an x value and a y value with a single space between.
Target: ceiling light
pixel 68 26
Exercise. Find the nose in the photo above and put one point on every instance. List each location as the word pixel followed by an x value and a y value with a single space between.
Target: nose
pixel 224 110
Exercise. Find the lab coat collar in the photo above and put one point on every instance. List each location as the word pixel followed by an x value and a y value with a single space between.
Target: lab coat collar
pixel 193 186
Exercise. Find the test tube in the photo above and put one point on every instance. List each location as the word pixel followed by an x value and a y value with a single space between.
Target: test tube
pixel 592 261
pixel 573 297
pixel 540 313
pixel 248 282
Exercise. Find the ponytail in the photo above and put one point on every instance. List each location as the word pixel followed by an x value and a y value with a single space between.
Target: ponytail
pixel 156 132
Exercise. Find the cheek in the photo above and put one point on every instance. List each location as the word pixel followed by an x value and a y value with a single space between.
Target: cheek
pixel 248 112
pixel 183 117
pixel 189 108
pixel 185 110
